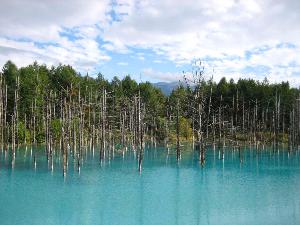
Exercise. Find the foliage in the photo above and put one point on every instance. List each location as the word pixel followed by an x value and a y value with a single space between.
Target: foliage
pixel 56 127
pixel 38 83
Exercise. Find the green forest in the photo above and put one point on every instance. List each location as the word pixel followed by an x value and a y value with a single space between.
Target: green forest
pixel 58 106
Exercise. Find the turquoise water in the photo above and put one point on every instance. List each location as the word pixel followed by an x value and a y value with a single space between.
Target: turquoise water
pixel 264 189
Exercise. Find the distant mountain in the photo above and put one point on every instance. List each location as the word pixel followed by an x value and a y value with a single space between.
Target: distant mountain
pixel 166 87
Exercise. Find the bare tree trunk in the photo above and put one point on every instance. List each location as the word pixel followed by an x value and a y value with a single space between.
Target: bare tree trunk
pixel 103 138
pixel 209 109
pixel 178 154
pixel 141 132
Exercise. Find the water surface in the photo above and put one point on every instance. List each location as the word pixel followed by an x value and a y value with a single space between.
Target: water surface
pixel 263 189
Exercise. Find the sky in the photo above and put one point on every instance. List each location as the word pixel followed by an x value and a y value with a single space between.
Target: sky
pixel 156 40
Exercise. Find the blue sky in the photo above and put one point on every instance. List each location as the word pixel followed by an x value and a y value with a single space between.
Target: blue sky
pixel 156 40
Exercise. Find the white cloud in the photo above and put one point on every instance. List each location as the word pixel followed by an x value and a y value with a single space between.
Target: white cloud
pixel 277 56
pixel 53 31
pixel 43 20
pixel 224 30
pixel 149 73
pixel 221 32
pixel 140 56
pixel 122 63
pixel 83 54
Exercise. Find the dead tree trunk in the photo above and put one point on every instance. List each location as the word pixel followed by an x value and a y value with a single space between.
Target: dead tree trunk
pixel 178 155
pixel 141 134
pixel 103 138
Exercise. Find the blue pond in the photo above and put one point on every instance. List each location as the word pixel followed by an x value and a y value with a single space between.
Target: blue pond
pixel 263 189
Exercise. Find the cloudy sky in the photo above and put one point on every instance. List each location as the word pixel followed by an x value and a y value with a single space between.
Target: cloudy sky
pixel 156 40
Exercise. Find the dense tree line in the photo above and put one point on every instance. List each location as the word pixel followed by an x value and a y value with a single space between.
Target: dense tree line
pixel 60 108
